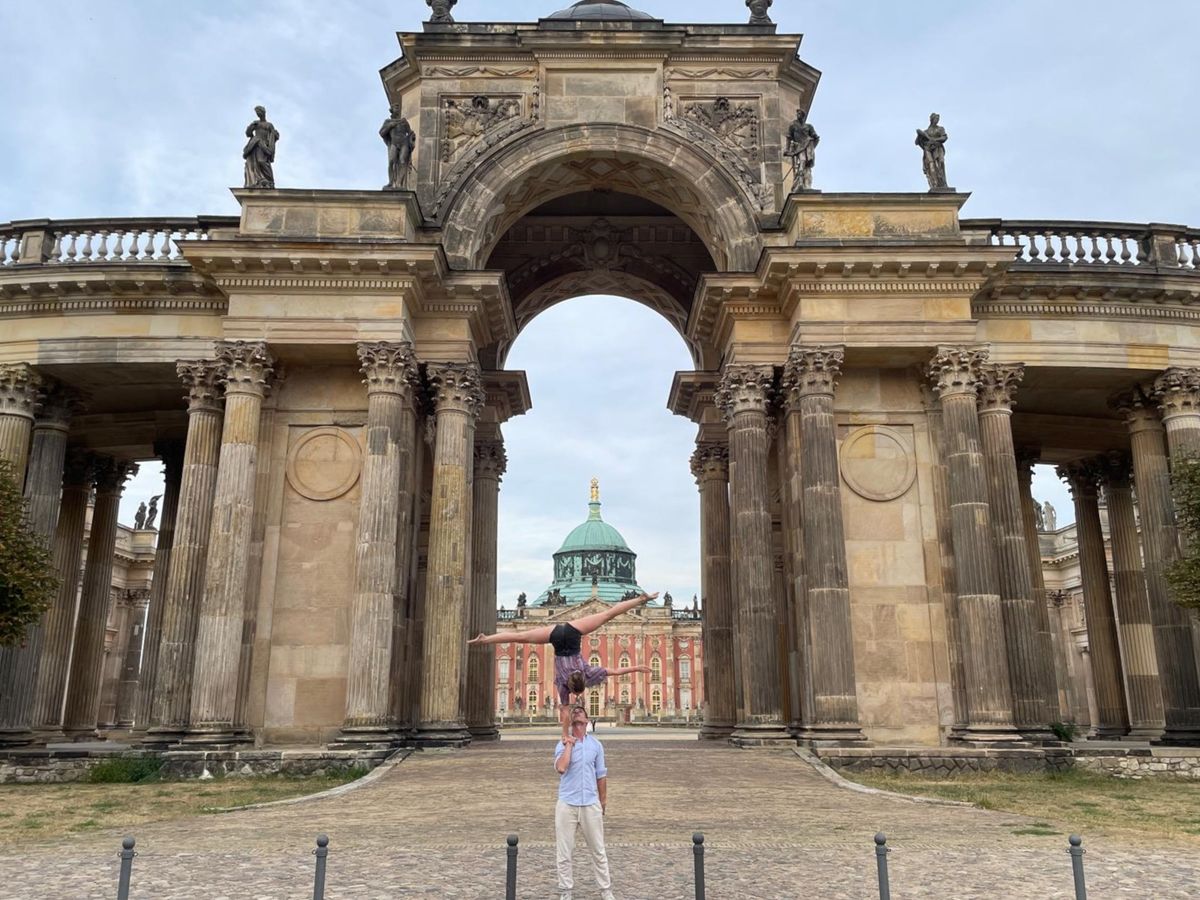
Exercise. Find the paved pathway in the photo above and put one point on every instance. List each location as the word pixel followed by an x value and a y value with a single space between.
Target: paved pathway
pixel 435 827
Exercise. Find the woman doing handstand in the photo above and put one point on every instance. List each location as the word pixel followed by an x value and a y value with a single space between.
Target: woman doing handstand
pixel 572 675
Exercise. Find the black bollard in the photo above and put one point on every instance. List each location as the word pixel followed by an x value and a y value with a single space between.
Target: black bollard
pixel 1076 851
pixel 881 852
pixel 320 853
pixel 698 854
pixel 127 854
pixel 510 877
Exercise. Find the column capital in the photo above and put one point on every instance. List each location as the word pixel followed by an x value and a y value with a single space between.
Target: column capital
pixel 490 459
pixel 1083 476
pixel 79 468
pixel 1177 392
pixel 388 367
pixel 1027 458
pixel 1138 409
pixel 456 386
pixel 19 386
pixel 1118 469
pixel 171 453
pixel 811 371
pixel 998 386
pixel 710 462
pixel 956 370
pixel 57 404
pixel 202 378
pixel 246 366
pixel 110 474
pixel 745 388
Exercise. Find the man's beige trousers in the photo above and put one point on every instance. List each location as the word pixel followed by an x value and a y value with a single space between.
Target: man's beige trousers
pixel 567 819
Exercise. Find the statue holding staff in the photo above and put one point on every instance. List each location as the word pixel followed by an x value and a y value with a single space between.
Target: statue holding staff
pixel 400 138
pixel 932 141
pixel 259 152
pixel 802 140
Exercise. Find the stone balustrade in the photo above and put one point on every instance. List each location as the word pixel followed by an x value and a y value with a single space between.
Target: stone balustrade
pixel 1089 243
pixel 92 241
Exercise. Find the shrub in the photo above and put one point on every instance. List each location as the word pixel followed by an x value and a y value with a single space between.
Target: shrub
pixel 1064 731
pixel 125 770
pixel 28 583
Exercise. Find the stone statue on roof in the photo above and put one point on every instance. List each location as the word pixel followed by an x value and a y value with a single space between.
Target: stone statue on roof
pixel 152 511
pixel 758 12
pixel 139 517
pixel 802 140
pixel 932 141
pixel 401 140
pixel 259 151
pixel 1050 515
pixel 521 600
pixel 441 11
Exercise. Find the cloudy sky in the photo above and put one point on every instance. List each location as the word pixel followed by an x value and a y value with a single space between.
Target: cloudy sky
pixel 1055 110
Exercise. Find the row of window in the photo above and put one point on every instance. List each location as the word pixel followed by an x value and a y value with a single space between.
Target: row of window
pixel 534 671
pixel 531 701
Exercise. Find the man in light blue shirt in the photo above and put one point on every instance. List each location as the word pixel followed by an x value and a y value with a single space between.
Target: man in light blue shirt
pixel 582 800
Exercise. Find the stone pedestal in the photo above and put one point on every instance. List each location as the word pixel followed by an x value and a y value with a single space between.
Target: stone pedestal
pixel 458 397
pixel 247 369
pixel 490 465
pixel 710 466
pixel 743 397
pixel 809 379
pixel 1113 721
pixel 987 695
pixel 390 374
pixel 87 661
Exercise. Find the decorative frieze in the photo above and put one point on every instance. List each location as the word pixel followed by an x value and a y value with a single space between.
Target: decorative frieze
pixel 745 388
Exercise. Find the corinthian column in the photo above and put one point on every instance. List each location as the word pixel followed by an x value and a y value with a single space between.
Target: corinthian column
pixel 490 465
pixel 457 398
pixel 1084 479
pixel 87 661
pixel 131 664
pixel 58 626
pixel 247 369
pixel 1026 624
pixel 955 374
pixel 710 466
pixel 743 397
pixel 390 373
pixel 809 378
pixel 18 396
pixel 1139 659
pixel 170 691
pixel 1172 629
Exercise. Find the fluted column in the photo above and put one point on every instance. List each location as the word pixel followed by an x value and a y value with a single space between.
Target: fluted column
pixel 43 493
pixel 170 692
pixel 18 396
pixel 1172 629
pixel 406 643
pixel 490 465
pixel 247 369
pixel 1143 688
pixel 87 662
pixel 1084 479
pixel 389 372
pixel 131 664
pixel 955 373
pixel 457 398
pixel 809 378
pixel 743 397
pixel 58 625
pixel 710 466
pixel 1026 624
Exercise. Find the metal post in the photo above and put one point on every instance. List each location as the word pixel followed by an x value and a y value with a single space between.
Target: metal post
pixel 881 852
pixel 320 853
pixel 510 878
pixel 127 856
pixel 1076 851
pixel 698 853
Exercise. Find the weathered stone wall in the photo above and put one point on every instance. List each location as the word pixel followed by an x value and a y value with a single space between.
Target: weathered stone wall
pixel 1132 762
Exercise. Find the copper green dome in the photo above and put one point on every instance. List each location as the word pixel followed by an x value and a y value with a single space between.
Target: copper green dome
pixel 594 534
pixel 607 10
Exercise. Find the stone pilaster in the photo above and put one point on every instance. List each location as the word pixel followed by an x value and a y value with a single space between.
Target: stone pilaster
pixel 809 378
pixel 171 453
pixel 710 466
pixel 390 373
pixel 171 688
pixel 87 661
pixel 246 373
pixel 458 398
pixel 1026 623
pixel 131 664
pixel 43 493
pixel 58 625
pixel 1113 720
pixel 19 386
pixel 1143 687
pixel 955 374
pixel 490 465
pixel 743 396
pixel 1172 629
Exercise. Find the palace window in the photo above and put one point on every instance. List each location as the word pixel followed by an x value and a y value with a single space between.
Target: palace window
pixel 532 677
pixel 685 668
pixel 504 669
pixel 594 661
pixel 503 701
pixel 655 668
pixel 624 695
pixel 594 703
pixel 532 706
pixel 656 701
pixel 625 665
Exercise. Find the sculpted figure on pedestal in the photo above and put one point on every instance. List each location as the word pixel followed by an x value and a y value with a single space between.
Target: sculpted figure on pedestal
pixel 932 141
pixel 152 511
pixel 1049 516
pixel 758 11
pixel 1038 516
pixel 400 138
pixel 441 11
pixel 802 140
pixel 139 517
pixel 259 152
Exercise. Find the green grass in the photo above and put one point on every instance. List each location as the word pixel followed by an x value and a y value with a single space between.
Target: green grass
pixel 125 771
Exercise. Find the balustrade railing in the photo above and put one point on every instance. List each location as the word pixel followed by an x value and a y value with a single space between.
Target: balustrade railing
pixel 92 241
pixel 1090 243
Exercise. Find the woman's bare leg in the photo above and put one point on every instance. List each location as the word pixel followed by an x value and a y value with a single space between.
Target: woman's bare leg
pixel 628 670
pixel 588 624
pixel 539 635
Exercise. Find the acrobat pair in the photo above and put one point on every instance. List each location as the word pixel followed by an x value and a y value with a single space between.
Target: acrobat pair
pixel 572 676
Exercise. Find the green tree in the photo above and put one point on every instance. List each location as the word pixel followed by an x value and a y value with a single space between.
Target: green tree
pixel 28 582
pixel 1184 574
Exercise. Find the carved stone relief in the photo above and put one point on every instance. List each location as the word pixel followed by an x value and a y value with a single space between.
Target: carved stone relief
pixel 324 464
pixel 728 128
pixel 877 464
pixel 736 124
pixel 469 126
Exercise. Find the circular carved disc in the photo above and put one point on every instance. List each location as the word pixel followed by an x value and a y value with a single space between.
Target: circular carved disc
pixel 876 464
pixel 324 464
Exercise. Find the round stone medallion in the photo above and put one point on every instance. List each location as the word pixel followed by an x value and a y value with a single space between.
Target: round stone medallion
pixel 324 464
pixel 876 464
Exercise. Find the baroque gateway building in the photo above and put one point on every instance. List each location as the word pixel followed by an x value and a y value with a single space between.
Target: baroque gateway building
pixel 328 534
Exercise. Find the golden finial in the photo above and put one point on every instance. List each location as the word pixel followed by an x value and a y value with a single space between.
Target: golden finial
pixel 595 490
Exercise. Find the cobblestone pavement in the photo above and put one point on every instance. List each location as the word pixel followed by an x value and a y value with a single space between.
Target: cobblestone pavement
pixel 435 827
